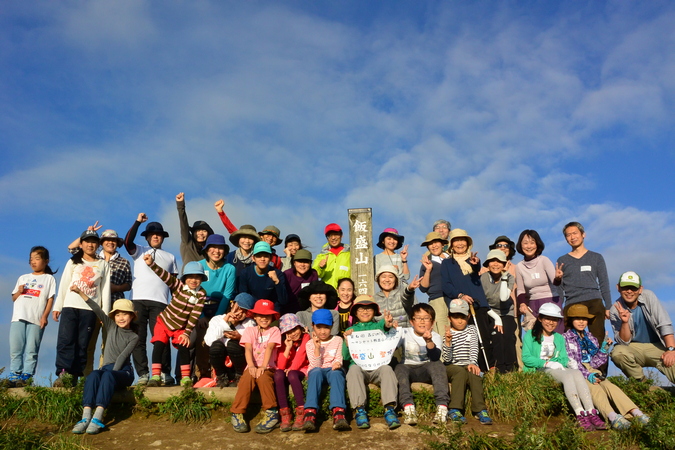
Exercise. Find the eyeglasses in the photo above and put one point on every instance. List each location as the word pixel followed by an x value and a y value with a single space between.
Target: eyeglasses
pixel 502 245
pixel 441 227
pixel 422 319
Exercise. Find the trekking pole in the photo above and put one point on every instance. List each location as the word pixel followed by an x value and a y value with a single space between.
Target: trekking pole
pixel 480 339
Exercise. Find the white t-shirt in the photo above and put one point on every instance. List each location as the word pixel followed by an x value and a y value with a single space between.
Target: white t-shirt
pixel 217 326
pixel 414 347
pixel 93 279
pixel 147 285
pixel 547 348
pixel 37 289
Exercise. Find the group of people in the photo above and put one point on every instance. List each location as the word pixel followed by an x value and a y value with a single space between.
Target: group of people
pixel 251 318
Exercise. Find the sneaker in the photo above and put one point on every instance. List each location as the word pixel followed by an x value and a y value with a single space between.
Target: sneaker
pixel 186 382
pixel 269 421
pixel 391 418
pixel 596 420
pixel 584 421
pixel 456 415
pixel 310 420
pixel 222 381
pixel 167 380
pixel 339 421
pixel 299 418
pixel 238 423
pixel 143 379
pixel 155 381
pixel 483 417
pixel 441 416
pixel 410 415
pixel 286 419
pixel 14 379
pixel 643 419
pixel 95 426
pixel 81 426
pixel 620 423
pixel 361 418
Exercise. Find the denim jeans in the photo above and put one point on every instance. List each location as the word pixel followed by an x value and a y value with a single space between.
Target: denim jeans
pixel 335 379
pixel 24 345
pixel 100 385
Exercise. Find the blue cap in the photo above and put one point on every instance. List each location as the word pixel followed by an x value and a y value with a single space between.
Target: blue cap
pixel 262 247
pixel 322 317
pixel 193 268
pixel 216 239
pixel 245 300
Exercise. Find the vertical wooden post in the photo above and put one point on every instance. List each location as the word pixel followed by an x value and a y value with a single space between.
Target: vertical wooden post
pixel 361 248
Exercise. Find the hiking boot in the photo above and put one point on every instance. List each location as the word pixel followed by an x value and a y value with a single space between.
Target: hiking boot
pixel 222 381
pixel 596 420
pixel 483 417
pixel 235 382
pixel 14 380
pixel 167 380
pixel 238 423
pixel 310 420
pixel 391 418
pixel 269 421
pixel 81 426
pixel 143 379
pixel 585 422
pixel 339 421
pixel 286 419
pixel 95 426
pixel 361 418
pixel 441 416
pixel 410 415
pixel 299 418
pixel 456 415
pixel 186 382
pixel 620 423
pixel 155 381
pixel 642 419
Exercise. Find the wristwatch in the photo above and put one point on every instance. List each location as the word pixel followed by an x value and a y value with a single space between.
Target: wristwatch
pixel 670 349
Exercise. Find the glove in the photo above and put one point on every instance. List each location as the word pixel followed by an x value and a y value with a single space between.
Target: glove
pixel 604 348
pixel 591 378
pixel 555 365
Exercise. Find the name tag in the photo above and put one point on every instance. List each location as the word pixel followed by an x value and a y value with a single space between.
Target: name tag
pixel 344 268
pixel 302 285
pixel 332 352
pixel 535 276
pixel 586 268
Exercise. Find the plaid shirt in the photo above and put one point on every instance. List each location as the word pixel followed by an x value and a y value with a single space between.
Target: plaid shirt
pixel 120 273
pixel 573 346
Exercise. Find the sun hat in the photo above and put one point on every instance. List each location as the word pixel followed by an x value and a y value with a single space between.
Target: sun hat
pixel 550 310
pixel 386 268
pixel 262 247
pixel 274 231
pixel 495 254
pixel 244 300
pixel 317 287
pixel 393 232
pixel 122 305
pixel 459 233
pixel 244 230
pixel 154 228
pixel 111 235
pixel 216 239
pixel 577 311
pixel 322 317
pixel 89 234
pixel 364 301
pixel 201 225
pixel 264 308
pixel 458 306
pixel 332 227
pixel 193 268
pixel 512 245
pixel 302 255
pixel 630 279
pixel 433 236
pixel 289 321
pixel 292 238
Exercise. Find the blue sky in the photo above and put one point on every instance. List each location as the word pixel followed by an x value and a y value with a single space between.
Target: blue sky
pixel 498 116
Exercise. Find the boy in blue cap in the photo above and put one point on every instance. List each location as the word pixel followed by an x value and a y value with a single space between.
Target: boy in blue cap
pixel 261 280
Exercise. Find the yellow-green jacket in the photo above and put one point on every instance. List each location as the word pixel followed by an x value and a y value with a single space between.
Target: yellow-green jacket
pixel 337 267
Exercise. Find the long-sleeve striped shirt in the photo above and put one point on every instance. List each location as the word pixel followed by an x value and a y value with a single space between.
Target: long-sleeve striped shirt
pixel 330 352
pixel 186 305
pixel 464 348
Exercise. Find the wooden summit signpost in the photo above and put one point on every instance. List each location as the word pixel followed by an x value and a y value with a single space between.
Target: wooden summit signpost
pixel 361 248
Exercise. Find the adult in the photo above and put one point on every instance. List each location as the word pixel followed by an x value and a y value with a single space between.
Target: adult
pixel 192 239
pixel 271 235
pixel 582 277
pixel 390 241
pixel 643 331
pixel 292 244
pixel 243 239
pixel 431 282
pixel 318 295
pixel 334 261
pixel 149 293
pixel 535 277
pixel 443 228
pixel 298 277
pixel 261 280
pixel 395 295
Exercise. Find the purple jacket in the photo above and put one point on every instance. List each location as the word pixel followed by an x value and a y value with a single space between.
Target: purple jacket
pixel 573 345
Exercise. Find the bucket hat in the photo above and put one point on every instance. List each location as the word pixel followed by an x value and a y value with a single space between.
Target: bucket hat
pixel 274 231
pixel 459 233
pixel 244 300
pixel 111 235
pixel 122 305
pixel 550 310
pixel 364 301
pixel 264 308
pixel 393 232
pixel 216 239
pixel 495 254
pixel 302 255
pixel 154 228
pixel 317 287
pixel 193 268
pixel 289 321
pixel 433 236
pixel 244 230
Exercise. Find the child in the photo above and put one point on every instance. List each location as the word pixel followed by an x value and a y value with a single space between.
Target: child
pixel 544 350
pixel 261 280
pixel 272 236
pixel 364 312
pixel 460 356
pixel 223 336
pixel 318 295
pixel 260 346
pixel 116 372
pixel 33 297
pixel 421 362
pixel 76 319
pixel 586 355
pixel 325 366
pixel 179 318
pixel 390 241
pixel 292 367
pixel 346 298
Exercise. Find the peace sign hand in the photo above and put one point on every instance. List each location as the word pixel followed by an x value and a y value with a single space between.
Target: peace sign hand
pixel 624 314
pixel 474 258
pixel 404 252
pixel 426 262
pixel 558 270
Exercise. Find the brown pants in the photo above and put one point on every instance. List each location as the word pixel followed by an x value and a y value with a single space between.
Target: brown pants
pixel 246 386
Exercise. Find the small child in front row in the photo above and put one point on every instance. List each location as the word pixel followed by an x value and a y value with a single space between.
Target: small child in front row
pixel 178 319
pixel 292 367
pixel 460 356
pixel 324 352
pixel 260 346
pixel 421 362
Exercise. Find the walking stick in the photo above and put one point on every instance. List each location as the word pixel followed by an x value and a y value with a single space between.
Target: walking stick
pixel 480 339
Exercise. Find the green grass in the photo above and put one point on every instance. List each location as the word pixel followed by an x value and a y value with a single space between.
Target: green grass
pixel 21 438
pixel 189 406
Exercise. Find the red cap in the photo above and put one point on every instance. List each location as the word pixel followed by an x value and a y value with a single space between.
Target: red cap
pixel 332 227
pixel 264 308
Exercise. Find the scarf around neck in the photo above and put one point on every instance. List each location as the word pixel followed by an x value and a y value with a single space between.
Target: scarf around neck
pixel 463 261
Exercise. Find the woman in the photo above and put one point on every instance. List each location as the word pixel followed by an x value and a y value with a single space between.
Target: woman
pixel 318 295
pixel 292 244
pixel 244 239
pixel 534 277
pixel 395 296
pixel 390 241
pixel 298 277
pixel 431 282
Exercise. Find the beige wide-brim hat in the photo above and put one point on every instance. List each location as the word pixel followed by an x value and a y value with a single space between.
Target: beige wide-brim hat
pixel 433 236
pixel 244 230
pixel 122 305
pixel 459 233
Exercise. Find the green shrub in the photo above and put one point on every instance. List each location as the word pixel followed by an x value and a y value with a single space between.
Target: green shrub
pixel 24 438
pixel 190 407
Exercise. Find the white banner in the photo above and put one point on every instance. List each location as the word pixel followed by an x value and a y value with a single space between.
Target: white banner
pixel 374 348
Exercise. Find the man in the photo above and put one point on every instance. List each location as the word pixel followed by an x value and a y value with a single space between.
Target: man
pixel 443 228
pixel 582 277
pixel 642 329
pixel 334 261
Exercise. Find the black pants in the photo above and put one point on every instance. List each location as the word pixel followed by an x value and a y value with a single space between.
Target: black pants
pixel 485 326
pixel 217 353
pixel 504 346
pixel 147 312
pixel 75 329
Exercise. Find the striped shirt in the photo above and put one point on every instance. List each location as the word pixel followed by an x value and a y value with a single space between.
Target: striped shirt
pixel 464 348
pixel 330 352
pixel 186 305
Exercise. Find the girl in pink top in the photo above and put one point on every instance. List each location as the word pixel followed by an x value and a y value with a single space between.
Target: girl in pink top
pixel 292 366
